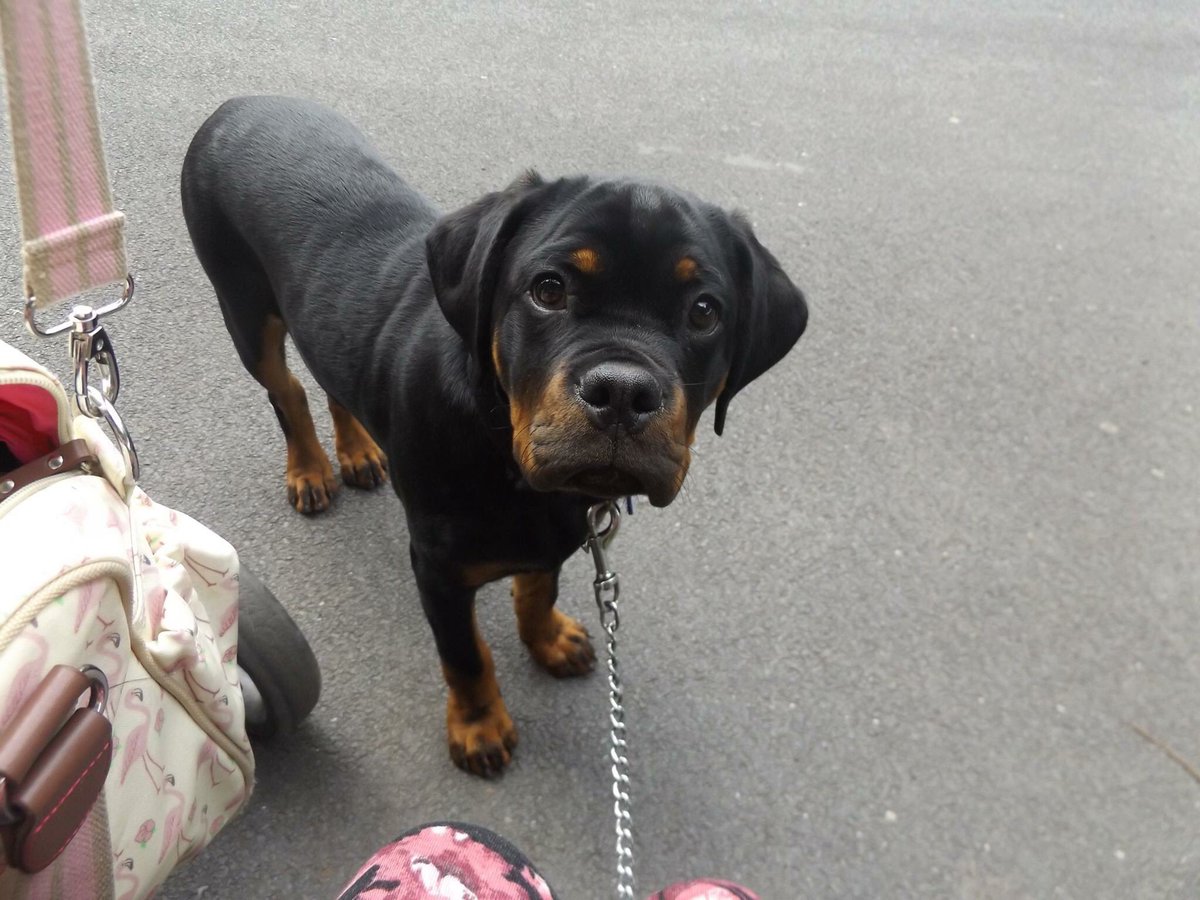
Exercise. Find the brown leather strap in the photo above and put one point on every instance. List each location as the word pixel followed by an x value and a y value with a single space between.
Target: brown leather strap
pixel 53 762
pixel 71 455
pixel 37 720
pixel 58 794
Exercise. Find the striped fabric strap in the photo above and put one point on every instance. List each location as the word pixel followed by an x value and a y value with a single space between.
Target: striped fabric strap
pixel 72 237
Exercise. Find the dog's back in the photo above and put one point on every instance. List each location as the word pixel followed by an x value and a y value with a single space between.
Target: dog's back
pixel 294 214
pixel 283 174
pixel 304 230
pixel 289 169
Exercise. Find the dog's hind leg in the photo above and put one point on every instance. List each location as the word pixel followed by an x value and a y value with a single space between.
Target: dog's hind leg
pixel 363 464
pixel 309 476
pixel 259 338
pixel 251 313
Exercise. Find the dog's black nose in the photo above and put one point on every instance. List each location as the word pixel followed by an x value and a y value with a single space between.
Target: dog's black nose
pixel 618 393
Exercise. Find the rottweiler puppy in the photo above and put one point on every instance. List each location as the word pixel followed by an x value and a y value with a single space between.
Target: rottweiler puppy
pixel 507 365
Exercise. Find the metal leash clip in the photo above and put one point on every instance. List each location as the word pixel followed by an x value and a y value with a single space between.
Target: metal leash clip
pixel 604 519
pixel 91 345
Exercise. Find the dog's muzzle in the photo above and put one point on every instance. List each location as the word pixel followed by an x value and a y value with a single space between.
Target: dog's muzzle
pixel 612 432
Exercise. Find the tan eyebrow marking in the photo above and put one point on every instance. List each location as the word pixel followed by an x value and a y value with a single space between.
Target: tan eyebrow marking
pixel 686 268
pixel 586 260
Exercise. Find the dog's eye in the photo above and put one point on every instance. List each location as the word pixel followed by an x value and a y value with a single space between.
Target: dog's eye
pixel 549 292
pixel 704 315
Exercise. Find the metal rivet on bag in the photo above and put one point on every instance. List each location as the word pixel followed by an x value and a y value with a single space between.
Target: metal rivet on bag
pixel 7 485
pixel 55 462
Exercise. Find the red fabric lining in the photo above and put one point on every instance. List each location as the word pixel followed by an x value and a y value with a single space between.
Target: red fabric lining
pixel 28 421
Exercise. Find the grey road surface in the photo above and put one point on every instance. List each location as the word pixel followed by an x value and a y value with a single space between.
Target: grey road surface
pixel 896 635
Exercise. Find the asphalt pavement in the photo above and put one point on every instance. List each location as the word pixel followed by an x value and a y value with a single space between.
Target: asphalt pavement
pixel 895 637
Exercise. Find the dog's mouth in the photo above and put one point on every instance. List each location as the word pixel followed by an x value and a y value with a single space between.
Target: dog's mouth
pixel 607 483
pixel 597 469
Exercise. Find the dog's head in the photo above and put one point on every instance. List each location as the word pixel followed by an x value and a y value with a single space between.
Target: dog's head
pixel 610 314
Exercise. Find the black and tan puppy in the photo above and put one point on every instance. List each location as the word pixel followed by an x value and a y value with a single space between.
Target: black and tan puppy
pixel 549 344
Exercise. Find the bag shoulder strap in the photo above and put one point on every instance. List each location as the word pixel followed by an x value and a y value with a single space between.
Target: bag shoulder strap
pixel 72 238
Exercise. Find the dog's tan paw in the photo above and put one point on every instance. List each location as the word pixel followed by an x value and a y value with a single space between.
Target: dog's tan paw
pixel 310 489
pixel 482 743
pixel 564 649
pixel 363 467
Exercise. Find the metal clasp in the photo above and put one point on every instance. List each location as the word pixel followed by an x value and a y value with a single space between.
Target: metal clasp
pixel 91 345
pixel 98 697
pixel 37 331
pixel 604 519
pixel 116 424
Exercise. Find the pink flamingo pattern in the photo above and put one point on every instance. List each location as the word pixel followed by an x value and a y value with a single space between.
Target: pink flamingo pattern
pixel 210 755
pixel 173 825
pixel 156 599
pixel 115 521
pixel 90 595
pixel 136 747
pixel 196 639
pixel 77 514
pixel 29 675
pixel 108 647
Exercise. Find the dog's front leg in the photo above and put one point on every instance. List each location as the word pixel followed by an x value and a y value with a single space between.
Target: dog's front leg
pixel 558 643
pixel 479 730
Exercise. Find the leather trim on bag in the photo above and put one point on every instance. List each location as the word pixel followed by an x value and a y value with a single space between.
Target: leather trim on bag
pixel 70 456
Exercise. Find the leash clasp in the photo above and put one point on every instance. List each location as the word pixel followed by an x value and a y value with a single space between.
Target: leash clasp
pixel 604 519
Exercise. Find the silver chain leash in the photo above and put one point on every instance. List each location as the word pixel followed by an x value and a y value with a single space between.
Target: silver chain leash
pixel 603 521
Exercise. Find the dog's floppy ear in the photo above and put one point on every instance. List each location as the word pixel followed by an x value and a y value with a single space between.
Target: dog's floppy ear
pixel 465 251
pixel 771 315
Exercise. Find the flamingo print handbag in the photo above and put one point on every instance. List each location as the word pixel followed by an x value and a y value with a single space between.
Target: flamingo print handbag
pixel 123 747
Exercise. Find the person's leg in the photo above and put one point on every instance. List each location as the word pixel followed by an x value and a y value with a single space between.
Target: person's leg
pixel 451 859
pixel 448 860
pixel 704 889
